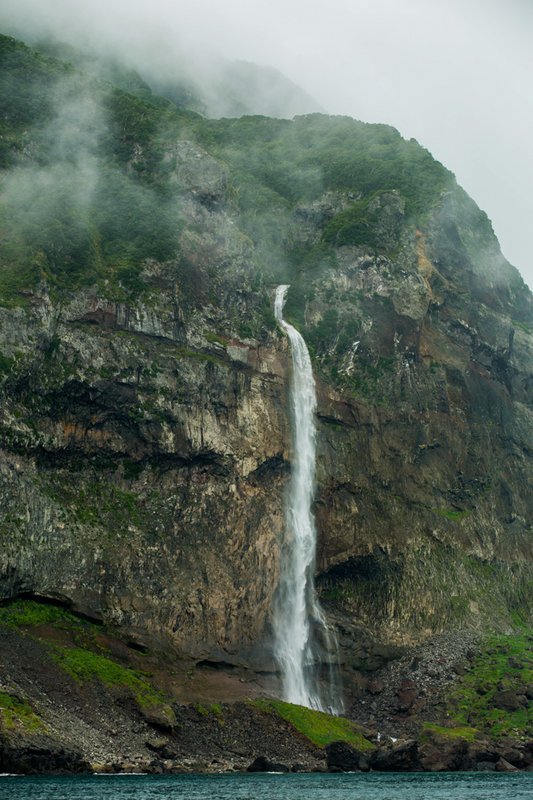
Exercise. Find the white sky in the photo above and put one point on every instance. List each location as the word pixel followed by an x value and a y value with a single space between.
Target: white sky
pixel 457 75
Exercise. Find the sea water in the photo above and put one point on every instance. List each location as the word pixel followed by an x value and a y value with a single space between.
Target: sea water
pixel 302 786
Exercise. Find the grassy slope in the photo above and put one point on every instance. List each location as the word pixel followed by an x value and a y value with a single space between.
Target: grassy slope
pixel 320 728
pixel 505 664
pixel 83 658
pixel 86 661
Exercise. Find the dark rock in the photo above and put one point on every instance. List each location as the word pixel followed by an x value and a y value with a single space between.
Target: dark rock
pixel 407 695
pixel 40 754
pixel 485 766
pixel 504 766
pixel 482 752
pixel 439 753
pixel 514 756
pixel 451 756
pixel 342 757
pixel 263 764
pixel 402 756
pixel 159 716
pixel 163 748
pixel 374 686
pixel 509 700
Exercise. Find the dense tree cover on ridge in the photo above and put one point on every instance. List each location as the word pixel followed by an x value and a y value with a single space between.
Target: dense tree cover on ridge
pixel 86 194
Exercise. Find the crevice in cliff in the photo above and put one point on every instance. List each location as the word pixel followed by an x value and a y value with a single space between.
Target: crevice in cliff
pixel 334 421
pixel 276 465
pixel 222 666
pixel 74 458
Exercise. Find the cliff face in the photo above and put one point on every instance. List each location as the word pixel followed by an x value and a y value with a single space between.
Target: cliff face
pixel 144 430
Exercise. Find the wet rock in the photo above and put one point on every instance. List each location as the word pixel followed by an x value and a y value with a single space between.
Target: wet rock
pixel 402 756
pixel 39 754
pixel 518 757
pixel 442 754
pixel 263 764
pixel 342 757
pixel 504 766
pixel 482 752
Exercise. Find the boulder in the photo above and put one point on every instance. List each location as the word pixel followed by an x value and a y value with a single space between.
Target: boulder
pixel 402 756
pixel 374 686
pixel 443 753
pixel 409 701
pixel 509 700
pixel 342 757
pixel 504 766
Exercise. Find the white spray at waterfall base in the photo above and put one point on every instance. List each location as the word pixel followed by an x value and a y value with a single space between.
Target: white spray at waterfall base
pixel 303 640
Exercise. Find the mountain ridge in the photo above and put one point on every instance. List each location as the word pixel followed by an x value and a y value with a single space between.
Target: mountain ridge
pixel 144 429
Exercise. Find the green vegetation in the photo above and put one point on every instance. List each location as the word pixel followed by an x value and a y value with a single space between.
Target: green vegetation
pixel 369 378
pixel 84 665
pixel 318 727
pixel 96 199
pixel 98 501
pixel 215 338
pixel 16 713
pixel 523 326
pixel 298 160
pixel 466 733
pixel 493 695
pixel 86 660
pixel 352 227
pixel 31 614
pixel 6 364
pixel 211 708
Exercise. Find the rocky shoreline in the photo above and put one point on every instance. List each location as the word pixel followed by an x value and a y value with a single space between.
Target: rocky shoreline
pixel 75 699
pixel 432 753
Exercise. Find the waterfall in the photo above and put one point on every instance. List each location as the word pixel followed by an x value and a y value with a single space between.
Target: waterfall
pixel 303 640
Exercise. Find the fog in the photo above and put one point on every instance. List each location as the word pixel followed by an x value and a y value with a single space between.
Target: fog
pixel 454 74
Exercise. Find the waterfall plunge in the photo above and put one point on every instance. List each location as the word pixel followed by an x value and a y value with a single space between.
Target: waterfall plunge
pixel 302 637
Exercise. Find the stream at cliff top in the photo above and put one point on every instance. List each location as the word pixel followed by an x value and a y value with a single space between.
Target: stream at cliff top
pixel 369 786
pixel 303 640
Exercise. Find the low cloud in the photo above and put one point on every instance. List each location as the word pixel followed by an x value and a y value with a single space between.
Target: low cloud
pixel 456 76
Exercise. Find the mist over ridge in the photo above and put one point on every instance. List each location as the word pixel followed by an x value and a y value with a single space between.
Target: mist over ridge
pixel 387 62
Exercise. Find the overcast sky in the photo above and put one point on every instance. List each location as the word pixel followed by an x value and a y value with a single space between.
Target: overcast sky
pixel 457 75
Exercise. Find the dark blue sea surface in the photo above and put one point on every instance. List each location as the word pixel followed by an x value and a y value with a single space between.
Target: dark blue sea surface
pixel 370 786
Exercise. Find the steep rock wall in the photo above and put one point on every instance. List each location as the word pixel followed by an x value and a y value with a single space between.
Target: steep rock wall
pixel 144 431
